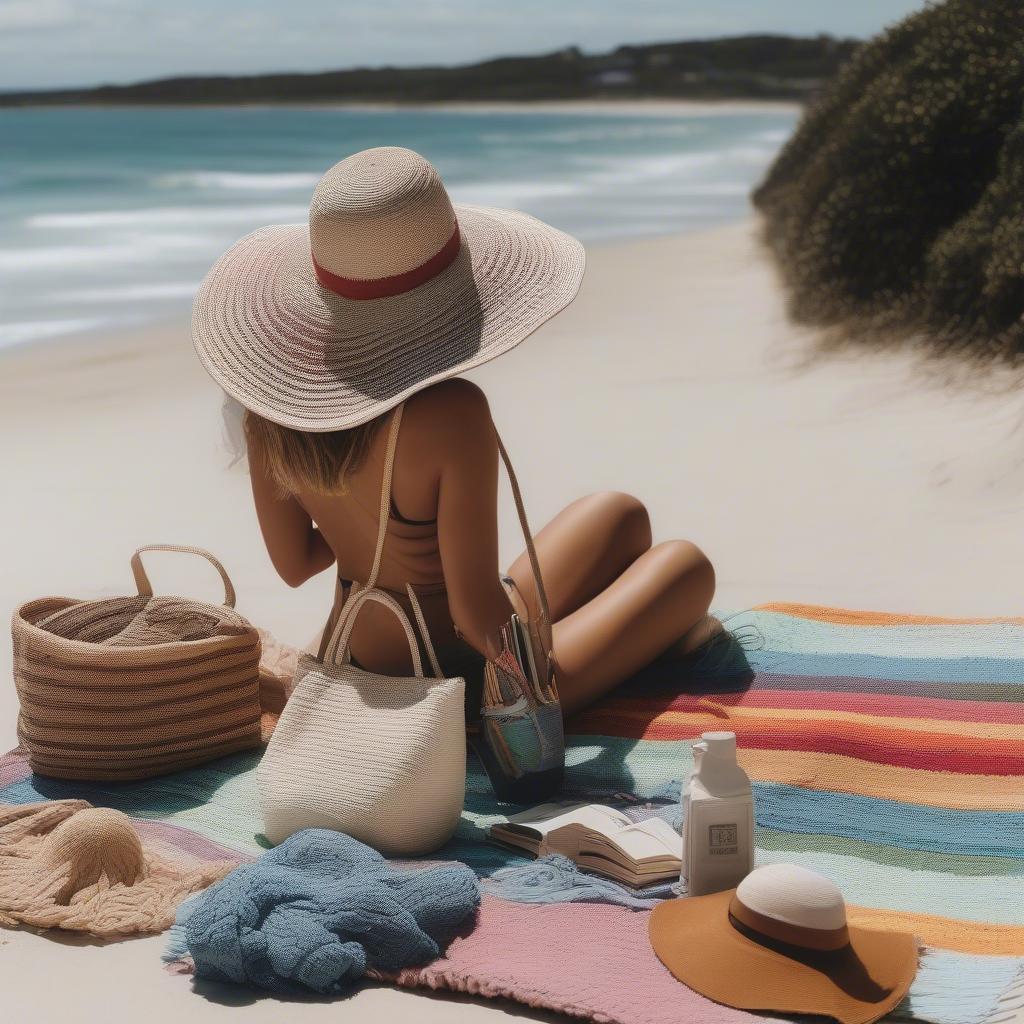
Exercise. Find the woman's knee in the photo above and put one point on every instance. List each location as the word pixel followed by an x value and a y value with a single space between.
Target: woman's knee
pixel 625 515
pixel 688 571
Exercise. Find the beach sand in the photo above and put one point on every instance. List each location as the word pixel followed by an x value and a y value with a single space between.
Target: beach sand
pixel 860 479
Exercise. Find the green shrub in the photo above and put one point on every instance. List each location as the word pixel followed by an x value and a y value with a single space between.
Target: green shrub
pixel 897 208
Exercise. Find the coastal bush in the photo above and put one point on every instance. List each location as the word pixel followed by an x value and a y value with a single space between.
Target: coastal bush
pixel 897 208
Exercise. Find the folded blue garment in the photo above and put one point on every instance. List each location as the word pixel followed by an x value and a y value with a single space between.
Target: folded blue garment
pixel 318 911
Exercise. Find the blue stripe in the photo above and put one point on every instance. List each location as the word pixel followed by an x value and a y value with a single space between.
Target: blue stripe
pixel 785 808
pixel 966 671
pixel 777 631
pixel 892 687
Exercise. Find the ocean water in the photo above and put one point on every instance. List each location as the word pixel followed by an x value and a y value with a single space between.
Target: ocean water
pixel 110 217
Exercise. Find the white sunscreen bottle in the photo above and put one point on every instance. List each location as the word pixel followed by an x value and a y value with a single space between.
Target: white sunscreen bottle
pixel 718 818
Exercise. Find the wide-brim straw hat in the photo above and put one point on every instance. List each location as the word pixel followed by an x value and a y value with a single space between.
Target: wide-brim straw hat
pixel 780 943
pixel 67 864
pixel 390 288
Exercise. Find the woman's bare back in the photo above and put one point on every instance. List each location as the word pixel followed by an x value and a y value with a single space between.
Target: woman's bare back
pixel 617 601
pixel 444 479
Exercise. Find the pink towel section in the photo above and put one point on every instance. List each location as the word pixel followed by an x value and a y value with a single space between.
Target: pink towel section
pixel 589 961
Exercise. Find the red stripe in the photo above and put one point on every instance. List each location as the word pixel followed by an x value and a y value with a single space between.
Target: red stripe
pixel 952 758
pixel 930 751
pixel 382 287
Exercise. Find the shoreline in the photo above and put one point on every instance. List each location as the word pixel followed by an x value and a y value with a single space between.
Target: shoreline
pixel 129 334
pixel 605 161
pixel 647 105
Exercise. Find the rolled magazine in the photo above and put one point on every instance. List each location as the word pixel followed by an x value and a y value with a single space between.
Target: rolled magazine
pixel 520 741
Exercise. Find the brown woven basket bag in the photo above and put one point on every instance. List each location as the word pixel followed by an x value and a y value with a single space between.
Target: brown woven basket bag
pixel 131 687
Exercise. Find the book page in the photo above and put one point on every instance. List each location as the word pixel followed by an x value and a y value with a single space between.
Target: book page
pixel 649 840
pixel 545 818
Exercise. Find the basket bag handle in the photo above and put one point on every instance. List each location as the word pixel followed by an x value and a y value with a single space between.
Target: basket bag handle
pixel 145 588
pixel 338 651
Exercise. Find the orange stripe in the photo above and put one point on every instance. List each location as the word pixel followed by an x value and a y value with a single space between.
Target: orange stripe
pixel 935 726
pixel 943 932
pixel 840 774
pixel 849 617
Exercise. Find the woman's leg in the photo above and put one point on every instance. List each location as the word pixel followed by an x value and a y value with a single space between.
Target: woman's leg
pixel 659 598
pixel 617 603
pixel 587 545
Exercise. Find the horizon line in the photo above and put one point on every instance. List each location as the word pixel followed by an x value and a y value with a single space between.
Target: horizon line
pixel 567 48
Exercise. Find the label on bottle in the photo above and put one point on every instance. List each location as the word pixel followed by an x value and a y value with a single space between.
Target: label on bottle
pixel 717 844
pixel 723 840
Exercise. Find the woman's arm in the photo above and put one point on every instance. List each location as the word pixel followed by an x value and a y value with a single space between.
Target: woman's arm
pixel 296 547
pixel 467 513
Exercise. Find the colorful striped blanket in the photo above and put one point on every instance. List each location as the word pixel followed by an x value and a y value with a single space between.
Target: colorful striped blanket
pixel 887 753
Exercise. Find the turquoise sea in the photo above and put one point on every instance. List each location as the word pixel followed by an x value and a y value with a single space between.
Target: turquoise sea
pixel 110 217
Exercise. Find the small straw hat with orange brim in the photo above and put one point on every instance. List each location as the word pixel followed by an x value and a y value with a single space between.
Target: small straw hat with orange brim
pixel 780 943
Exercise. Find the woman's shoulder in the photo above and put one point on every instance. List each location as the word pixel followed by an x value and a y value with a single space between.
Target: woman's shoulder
pixel 445 424
pixel 447 409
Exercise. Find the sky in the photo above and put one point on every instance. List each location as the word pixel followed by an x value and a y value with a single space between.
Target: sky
pixel 54 43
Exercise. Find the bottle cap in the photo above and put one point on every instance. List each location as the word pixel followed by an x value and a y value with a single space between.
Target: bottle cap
pixel 720 744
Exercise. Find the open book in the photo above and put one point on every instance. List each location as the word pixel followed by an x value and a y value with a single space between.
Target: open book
pixel 598 839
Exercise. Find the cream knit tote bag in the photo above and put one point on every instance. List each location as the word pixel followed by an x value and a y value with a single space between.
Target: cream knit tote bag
pixel 381 758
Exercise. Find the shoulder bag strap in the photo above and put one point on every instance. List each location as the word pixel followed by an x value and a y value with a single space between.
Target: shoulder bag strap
pixel 542 596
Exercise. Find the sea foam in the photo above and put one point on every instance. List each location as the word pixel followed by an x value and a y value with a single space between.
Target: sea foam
pixel 249 181
pixel 37 330
pixel 128 293
pixel 177 215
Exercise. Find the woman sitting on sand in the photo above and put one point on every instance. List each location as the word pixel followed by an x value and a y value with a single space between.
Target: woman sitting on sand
pixel 333 336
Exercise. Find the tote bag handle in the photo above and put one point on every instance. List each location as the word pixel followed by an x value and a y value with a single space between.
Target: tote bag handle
pixel 145 588
pixel 337 651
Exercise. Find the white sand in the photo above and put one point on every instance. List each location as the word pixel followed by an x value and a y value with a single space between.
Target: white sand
pixel 860 481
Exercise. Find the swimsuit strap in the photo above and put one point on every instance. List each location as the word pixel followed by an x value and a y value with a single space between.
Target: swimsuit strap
pixel 385 493
pixel 382 529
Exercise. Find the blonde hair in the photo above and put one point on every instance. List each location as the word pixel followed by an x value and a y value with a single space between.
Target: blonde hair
pixel 297 460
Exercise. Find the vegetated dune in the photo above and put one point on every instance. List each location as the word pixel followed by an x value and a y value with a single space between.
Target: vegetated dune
pixel 896 211
pixel 762 67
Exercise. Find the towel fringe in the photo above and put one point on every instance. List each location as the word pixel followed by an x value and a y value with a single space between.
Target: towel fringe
pixel 1010 1004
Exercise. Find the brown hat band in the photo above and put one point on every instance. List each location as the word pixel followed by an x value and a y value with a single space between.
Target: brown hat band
pixel 781 931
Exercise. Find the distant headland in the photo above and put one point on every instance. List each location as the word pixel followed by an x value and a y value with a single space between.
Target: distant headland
pixel 756 67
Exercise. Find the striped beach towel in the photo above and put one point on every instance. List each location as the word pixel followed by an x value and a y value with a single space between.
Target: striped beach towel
pixel 887 753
